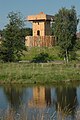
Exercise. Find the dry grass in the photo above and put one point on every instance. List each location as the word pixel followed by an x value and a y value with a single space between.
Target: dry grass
pixel 10 114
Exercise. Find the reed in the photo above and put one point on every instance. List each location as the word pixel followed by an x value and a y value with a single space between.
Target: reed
pixel 11 114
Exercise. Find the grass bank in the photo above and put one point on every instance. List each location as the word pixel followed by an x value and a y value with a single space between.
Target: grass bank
pixel 39 72
pixel 34 51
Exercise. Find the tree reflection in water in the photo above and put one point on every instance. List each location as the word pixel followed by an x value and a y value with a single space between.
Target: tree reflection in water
pixel 66 100
pixel 14 96
pixel 41 101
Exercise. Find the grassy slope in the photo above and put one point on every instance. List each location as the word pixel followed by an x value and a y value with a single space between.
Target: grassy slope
pixel 32 52
pixel 52 51
pixel 40 73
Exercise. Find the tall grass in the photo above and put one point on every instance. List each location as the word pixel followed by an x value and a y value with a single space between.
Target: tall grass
pixel 11 114
pixel 38 73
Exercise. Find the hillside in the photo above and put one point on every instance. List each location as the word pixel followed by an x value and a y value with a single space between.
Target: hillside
pixel 34 51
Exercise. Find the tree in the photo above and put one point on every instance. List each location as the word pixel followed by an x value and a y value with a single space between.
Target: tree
pixel 14 40
pixel 27 31
pixel 65 28
pixel 0 36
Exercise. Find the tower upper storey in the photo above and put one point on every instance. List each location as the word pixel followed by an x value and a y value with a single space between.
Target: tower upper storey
pixel 40 16
pixel 41 24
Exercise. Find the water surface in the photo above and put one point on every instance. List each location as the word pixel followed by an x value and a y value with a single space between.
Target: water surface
pixel 40 102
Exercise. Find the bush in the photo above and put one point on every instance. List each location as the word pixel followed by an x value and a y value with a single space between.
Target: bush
pixel 42 57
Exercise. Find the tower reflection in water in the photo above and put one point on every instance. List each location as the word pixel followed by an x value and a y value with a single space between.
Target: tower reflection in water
pixel 41 97
pixel 65 101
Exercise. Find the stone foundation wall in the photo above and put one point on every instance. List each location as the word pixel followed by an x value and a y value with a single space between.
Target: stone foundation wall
pixel 32 41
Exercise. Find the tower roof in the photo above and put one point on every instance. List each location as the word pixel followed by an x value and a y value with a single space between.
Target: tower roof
pixel 40 16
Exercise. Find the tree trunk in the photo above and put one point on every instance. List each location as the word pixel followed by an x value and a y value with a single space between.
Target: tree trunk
pixel 67 59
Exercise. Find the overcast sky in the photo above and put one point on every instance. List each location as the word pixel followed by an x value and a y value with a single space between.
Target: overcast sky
pixel 29 7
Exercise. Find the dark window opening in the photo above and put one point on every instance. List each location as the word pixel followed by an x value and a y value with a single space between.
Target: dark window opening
pixel 38 33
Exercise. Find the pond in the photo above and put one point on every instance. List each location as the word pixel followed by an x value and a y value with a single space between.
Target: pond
pixel 53 102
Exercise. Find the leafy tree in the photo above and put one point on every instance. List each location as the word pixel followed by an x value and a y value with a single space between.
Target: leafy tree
pixel 27 31
pixel 0 36
pixel 65 28
pixel 14 40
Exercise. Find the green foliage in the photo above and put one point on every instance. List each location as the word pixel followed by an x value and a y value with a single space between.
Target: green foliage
pixel 78 44
pixel 65 28
pixel 13 42
pixel 27 31
pixel 42 57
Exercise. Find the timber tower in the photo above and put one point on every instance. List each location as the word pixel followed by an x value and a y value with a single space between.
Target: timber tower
pixel 41 30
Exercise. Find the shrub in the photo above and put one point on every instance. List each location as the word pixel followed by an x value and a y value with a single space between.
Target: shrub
pixel 42 57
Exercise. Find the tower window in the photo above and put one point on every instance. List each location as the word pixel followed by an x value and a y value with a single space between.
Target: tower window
pixel 38 32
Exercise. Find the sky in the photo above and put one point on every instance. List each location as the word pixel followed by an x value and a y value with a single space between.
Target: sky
pixel 32 7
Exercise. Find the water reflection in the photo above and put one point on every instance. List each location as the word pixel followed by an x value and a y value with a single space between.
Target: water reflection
pixel 14 95
pixel 41 97
pixel 66 100
pixel 48 96
pixel 40 100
